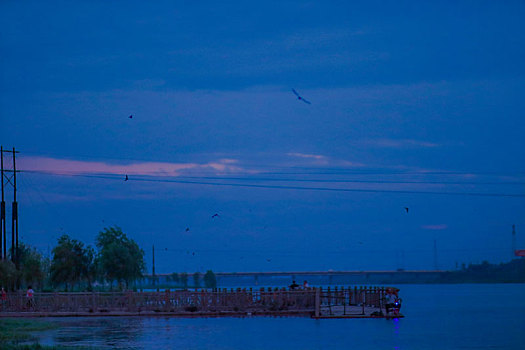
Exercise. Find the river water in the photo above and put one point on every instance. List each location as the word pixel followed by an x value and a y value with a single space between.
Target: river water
pixel 462 316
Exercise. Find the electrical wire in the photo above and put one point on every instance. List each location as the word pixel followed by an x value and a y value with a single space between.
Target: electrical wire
pixel 262 179
pixel 303 188
pixel 352 181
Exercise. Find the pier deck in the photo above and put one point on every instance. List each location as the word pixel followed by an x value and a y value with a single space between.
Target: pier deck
pixel 339 302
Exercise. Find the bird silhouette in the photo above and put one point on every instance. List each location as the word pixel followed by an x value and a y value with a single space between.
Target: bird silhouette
pixel 299 97
pixel 187 229
pixel 126 179
pixel 193 253
pixel 268 260
pixel 215 216
pixel 130 116
pixel 406 209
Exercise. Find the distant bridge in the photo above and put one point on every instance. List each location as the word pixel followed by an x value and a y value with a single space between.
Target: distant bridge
pixel 313 277
pixel 322 273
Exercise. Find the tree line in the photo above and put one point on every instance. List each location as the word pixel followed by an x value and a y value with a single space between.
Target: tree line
pixel 508 272
pixel 208 280
pixel 117 259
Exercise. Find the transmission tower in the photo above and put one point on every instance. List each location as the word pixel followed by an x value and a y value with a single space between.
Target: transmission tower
pixel 9 180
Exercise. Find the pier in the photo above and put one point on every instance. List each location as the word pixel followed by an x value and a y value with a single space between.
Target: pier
pixel 338 302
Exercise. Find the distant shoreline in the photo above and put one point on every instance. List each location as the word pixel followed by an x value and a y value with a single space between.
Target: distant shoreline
pixel 510 272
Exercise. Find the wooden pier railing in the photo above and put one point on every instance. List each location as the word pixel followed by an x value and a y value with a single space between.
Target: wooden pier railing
pixel 350 301
pixel 314 301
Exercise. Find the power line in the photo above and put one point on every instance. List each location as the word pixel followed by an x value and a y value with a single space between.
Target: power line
pixel 352 181
pixel 391 172
pixel 262 179
pixel 328 189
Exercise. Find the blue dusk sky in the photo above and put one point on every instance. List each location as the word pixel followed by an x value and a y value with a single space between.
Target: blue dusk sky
pixel 414 105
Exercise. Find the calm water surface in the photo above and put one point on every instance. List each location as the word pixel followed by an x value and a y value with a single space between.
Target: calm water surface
pixel 488 316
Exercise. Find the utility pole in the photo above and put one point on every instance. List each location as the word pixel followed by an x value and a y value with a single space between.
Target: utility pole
pixel 14 213
pixel 11 180
pixel 3 237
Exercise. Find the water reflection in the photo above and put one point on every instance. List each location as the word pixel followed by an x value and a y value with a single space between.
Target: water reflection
pixel 111 333
pixel 127 332
pixel 396 340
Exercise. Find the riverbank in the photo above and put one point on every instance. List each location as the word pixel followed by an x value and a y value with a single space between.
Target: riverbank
pixel 17 334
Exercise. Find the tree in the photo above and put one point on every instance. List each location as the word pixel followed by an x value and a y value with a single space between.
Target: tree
pixel 92 268
pixel 183 277
pixel 210 281
pixel 72 263
pixel 8 274
pixel 32 265
pixel 120 258
pixel 196 279
pixel 175 277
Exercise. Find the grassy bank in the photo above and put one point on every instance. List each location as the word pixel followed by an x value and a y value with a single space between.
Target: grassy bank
pixel 17 334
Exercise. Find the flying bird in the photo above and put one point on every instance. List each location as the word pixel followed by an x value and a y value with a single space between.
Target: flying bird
pixel 406 209
pixel 299 97
pixel 187 229
pixel 215 216
pixel 268 260
pixel 126 179
pixel 130 116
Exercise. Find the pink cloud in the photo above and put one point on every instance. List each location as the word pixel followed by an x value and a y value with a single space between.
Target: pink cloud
pixel 66 166
pixel 228 161
pixel 303 155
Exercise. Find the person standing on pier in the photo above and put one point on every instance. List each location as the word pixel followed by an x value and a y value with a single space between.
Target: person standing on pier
pixel 29 295
pixel 390 300
pixel 293 285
